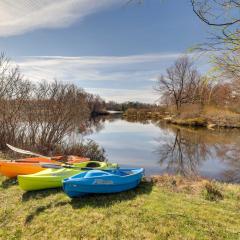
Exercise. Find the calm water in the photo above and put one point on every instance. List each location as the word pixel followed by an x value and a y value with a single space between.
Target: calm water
pixel 162 148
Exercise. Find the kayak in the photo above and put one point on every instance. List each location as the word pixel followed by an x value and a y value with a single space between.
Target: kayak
pixel 38 159
pixel 52 178
pixel 98 181
pixel 76 159
pixel 55 159
pixel 12 169
pixel 25 166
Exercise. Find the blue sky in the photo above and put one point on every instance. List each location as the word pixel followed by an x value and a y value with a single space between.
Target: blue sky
pixel 108 47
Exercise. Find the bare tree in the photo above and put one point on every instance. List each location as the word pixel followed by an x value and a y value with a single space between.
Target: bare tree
pixel 213 12
pixel 42 116
pixel 224 16
pixel 55 111
pixel 14 93
pixel 180 83
pixel 221 14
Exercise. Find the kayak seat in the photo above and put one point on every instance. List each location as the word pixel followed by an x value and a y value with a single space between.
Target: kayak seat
pixel 96 173
pixel 93 165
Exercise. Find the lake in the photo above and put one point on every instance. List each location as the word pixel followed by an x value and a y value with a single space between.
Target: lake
pixel 163 148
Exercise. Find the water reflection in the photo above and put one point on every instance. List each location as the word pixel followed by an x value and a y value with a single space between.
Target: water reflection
pixel 182 155
pixel 160 147
pixel 231 156
pixel 194 152
pixel 96 124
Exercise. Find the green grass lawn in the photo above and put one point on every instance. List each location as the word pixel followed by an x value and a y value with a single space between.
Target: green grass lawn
pixel 166 209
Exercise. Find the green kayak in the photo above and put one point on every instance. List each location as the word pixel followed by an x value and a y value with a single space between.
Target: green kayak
pixel 52 178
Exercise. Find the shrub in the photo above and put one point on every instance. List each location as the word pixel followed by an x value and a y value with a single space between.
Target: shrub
pixel 88 148
pixel 212 193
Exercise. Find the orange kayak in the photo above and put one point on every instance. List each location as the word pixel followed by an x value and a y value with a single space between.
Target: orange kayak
pixel 40 159
pixel 13 169
pixel 25 166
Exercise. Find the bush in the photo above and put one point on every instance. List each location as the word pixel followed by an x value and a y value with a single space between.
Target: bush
pixel 212 193
pixel 88 148
pixel 190 111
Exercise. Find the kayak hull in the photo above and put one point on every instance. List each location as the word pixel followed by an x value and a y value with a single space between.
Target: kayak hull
pixel 45 179
pixel 52 178
pixel 101 182
pixel 12 169
pixel 55 159
pixel 26 166
pixel 86 190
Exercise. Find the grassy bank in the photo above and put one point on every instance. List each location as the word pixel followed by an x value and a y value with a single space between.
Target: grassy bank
pixel 166 208
pixel 197 116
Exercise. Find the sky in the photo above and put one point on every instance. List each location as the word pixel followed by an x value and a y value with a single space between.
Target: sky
pixel 111 48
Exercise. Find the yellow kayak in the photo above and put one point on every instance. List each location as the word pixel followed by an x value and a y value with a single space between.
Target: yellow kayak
pixel 52 178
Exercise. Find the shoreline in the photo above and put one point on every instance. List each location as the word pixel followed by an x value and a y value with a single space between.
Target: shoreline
pixel 201 121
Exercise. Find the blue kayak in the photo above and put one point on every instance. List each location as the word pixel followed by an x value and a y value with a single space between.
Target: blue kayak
pixel 98 181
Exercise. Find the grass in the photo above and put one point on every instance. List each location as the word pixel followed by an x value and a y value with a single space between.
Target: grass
pixel 196 122
pixel 165 208
pixel 220 117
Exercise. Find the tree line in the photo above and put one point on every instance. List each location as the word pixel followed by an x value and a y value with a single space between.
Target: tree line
pixel 115 106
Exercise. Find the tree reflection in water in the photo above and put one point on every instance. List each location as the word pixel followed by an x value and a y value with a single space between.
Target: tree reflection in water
pixel 231 156
pixel 183 153
pixel 187 151
pixel 97 124
pixel 184 150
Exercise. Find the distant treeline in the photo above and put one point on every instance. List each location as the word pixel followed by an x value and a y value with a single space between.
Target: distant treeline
pixel 114 106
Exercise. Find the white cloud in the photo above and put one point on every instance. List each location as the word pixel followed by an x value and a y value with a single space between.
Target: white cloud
pixel 96 68
pixel 119 78
pixel 147 95
pixel 17 17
